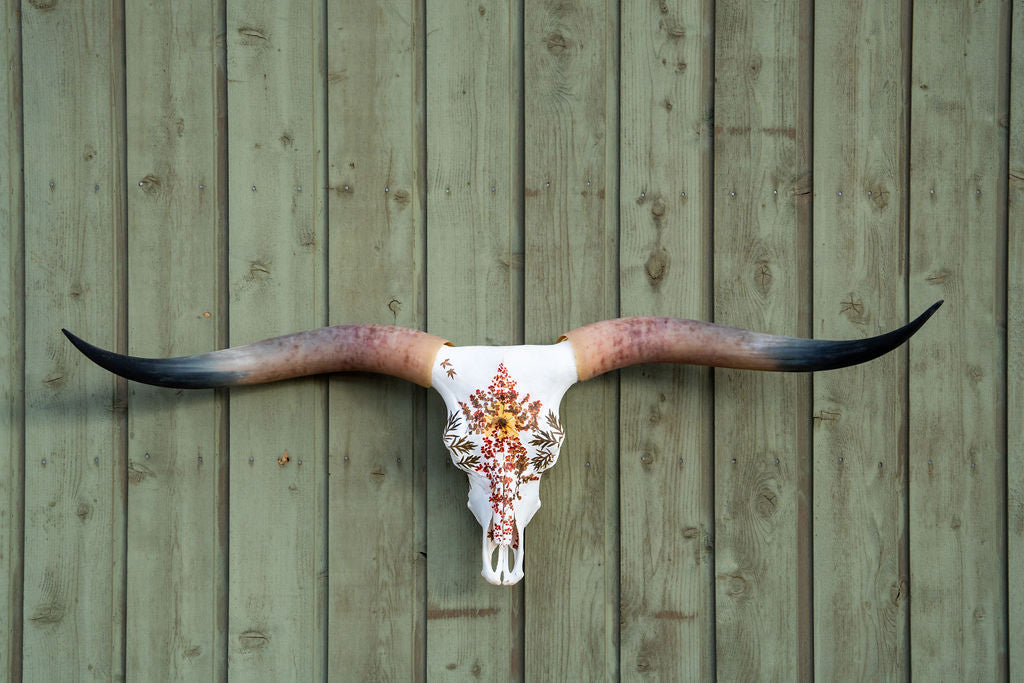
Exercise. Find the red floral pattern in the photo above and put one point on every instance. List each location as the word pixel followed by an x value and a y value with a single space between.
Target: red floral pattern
pixel 502 416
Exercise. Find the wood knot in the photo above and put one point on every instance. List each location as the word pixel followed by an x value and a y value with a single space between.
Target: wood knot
pixel 556 43
pixel 83 511
pixel 763 276
pixel 673 28
pixel 137 472
pixel 853 309
pixel 252 35
pixel 150 184
pixel 252 640
pixel 656 267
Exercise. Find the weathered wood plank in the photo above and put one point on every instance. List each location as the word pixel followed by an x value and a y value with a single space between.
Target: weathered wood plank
pixel 860 166
pixel 375 115
pixel 1015 350
pixel 177 511
pixel 74 277
pixel 957 390
pixel 665 269
pixel 12 350
pixel 474 280
pixel 277 283
pixel 571 100
pixel 762 271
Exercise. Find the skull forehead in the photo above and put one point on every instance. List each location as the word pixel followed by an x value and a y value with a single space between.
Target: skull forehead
pixel 543 372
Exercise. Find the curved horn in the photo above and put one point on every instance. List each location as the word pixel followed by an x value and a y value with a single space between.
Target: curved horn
pixel 397 351
pixel 612 344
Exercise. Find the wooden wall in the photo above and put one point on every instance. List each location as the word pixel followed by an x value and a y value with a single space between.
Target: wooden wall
pixel 178 177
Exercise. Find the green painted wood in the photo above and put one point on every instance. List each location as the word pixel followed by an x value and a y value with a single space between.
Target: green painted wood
pixel 667 513
pixel 177 468
pixel 74 278
pixel 859 274
pixel 474 285
pixel 1015 350
pixel 762 281
pixel 957 391
pixel 571 100
pixel 277 282
pixel 377 519
pixel 12 350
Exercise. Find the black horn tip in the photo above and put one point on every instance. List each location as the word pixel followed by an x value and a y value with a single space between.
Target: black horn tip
pixel 803 355
pixel 186 372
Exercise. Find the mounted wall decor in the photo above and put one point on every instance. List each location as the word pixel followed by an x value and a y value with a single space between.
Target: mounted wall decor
pixel 502 428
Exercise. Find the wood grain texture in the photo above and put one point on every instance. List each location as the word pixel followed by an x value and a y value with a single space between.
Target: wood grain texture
pixel 475 286
pixel 12 345
pixel 860 476
pixel 762 268
pixel 957 394
pixel 177 505
pixel 376 209
pixel 570 67
pixel 1015 354
pixel 667 516
pixel 277 284
pixel 74 412
pixel 117 566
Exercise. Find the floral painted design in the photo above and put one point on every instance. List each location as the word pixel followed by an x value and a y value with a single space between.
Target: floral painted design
pixel 503 419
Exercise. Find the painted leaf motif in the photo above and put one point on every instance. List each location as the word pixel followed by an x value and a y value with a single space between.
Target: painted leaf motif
pixel 470 462
pixel 462 446
pixel 459 445
pixel 547 442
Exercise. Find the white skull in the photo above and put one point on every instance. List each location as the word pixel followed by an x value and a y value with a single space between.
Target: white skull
pixel 503 431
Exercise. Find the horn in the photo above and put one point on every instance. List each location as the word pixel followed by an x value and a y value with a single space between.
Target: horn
pixel 386 349
pixel 612 344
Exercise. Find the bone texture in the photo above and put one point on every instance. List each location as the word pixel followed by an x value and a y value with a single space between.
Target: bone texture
pixel 384 349
pixel 605 346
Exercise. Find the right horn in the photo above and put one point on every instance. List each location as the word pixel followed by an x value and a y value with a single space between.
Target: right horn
pixel 386 349
pixel 612 344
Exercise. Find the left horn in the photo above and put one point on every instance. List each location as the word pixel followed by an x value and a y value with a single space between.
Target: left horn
pixel 386 349
pixel 612 344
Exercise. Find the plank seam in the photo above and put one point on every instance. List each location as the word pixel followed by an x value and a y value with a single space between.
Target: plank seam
pixel 708 205
pixel 17 578
pixel 908 59
pixel 119 484
pixel 323 584
pixel 1006 68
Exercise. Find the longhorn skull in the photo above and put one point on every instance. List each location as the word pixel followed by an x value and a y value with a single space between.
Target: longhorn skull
pixel 502 427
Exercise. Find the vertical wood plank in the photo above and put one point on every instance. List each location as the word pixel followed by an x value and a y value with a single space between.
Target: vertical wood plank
pixel 177 505
pixel 571 95
pixel 277 284
pixel 860 166
pixel 12 349
pixel 665 424
pixel 74 411
pixel 957 391
pixel 1015 350
pixel 762 268
pixel 474 285
pixel 375 114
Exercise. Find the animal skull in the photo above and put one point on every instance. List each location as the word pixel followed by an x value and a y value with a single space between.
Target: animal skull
pixel 503 431
pixel 502 427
